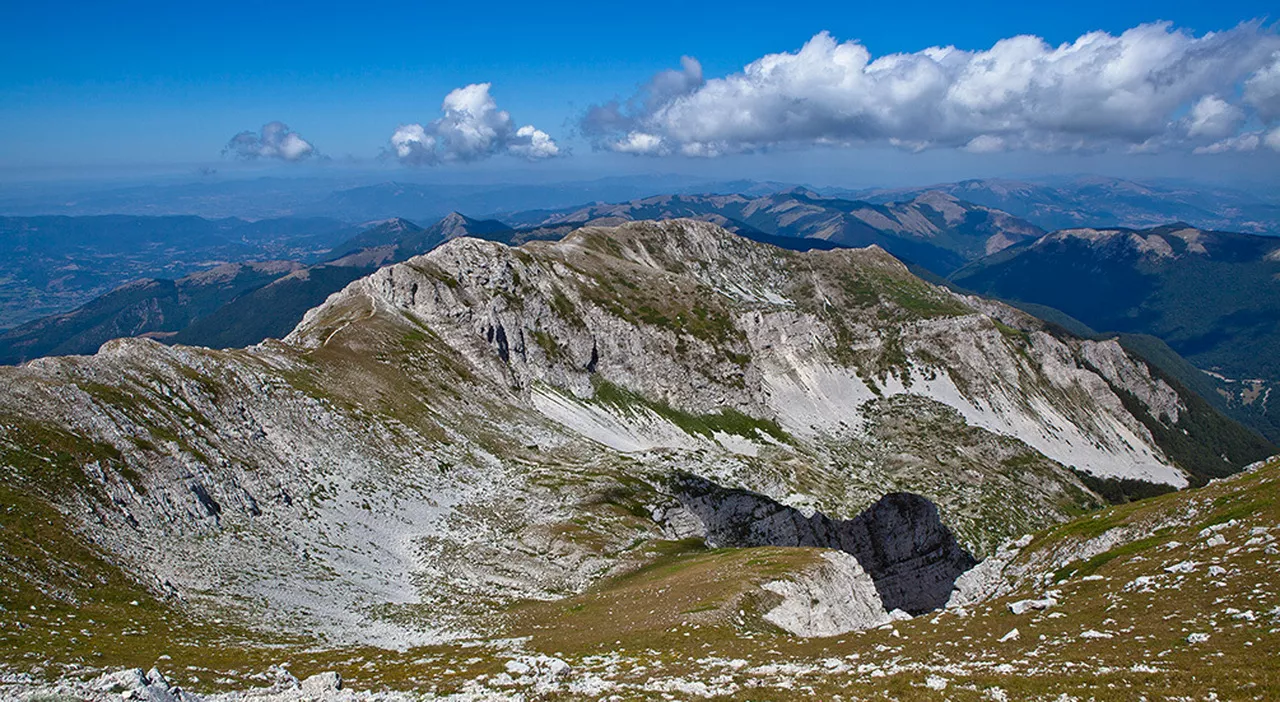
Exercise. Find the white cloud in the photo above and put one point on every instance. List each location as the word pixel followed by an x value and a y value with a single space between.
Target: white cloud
pixel 275 140
pixel 1244 143
pixel 985 144
pixel 1214 118
pixel 471 128
pixel 1148 88
pixel 413 145
pixel 533 144
pixel 1272 139
pixel 1262 90
pixel 639 143
pixel 616 116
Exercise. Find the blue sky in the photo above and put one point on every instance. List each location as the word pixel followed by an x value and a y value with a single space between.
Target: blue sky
pixel 128 84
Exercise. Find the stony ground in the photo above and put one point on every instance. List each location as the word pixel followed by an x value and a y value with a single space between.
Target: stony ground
pixel 1172 598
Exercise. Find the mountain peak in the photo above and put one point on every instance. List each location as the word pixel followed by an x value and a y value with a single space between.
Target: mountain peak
pixel 393 226
pixel 454 218
pixel 801 191
pixel 656 242
pixel 455 224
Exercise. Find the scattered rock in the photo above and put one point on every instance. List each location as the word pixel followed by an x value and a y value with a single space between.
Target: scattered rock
pixel 321 684
pixel 1023 606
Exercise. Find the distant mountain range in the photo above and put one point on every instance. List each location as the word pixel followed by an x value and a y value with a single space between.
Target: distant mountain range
pixel 361 197
pixel 49 265
pixel 1108 202
pixel 934 230
pixel 271 311
pixel 397 239
pixel 153 307
pixel 351 198
pixel 1211 296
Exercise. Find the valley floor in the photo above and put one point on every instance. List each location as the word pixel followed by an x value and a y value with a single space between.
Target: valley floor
pixel 1172 598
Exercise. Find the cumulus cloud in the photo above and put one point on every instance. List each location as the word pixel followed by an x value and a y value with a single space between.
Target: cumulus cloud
pixel 275 140
pixel 663 88
pixel 1246 142
pixel 1150 88
pixel 1262 90
pixel 471 128
pixel 640 143
pixel 1214 118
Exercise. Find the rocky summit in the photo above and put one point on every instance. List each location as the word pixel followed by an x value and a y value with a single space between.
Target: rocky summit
pixel 649 460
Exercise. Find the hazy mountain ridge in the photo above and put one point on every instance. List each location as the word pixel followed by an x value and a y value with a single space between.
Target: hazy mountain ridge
pixel 938 230
pixel 265 301
pixel 151 307
pixel 398 239
pixel 50 265
pixel 354 198
pixel 1094 201
pixel 933 230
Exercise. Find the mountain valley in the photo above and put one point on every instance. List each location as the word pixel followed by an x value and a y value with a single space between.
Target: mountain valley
pixel 477 469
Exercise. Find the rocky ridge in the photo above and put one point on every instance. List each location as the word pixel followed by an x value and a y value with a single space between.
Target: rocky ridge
pixel 933 229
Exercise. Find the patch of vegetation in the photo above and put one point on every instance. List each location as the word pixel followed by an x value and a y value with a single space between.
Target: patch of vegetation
pixel 911 297
pixel 684 586
pixel 1118 491
pixel 697 313
pixel 157 421
pixel 434 272
pixel 548 344
pixel 1010 332
pixel 565 309
pixel 50 459
pixel 728 420
pixel 1091 566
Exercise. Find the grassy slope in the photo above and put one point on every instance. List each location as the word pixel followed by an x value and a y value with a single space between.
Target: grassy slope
pixel 693 614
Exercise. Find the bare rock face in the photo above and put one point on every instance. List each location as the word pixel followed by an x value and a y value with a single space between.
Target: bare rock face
pixel 899 541
pixel 910 554
pixel 836 597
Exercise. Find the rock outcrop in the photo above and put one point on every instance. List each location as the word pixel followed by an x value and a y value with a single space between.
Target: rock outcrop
pixel 834 598
pixel 910 555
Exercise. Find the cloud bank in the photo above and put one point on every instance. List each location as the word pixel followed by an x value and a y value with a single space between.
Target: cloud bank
pixel 472 128
pixel 275 140
pixel 1151 88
